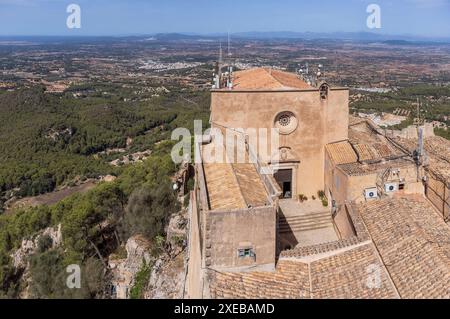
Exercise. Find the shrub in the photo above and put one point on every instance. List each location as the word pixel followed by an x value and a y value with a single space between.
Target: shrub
pixel 302 198
pixel 140 282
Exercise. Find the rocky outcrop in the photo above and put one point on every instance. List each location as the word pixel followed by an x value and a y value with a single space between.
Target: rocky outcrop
pixel 167 271
pixel 125 269
pixel 167 279
pixel 29 246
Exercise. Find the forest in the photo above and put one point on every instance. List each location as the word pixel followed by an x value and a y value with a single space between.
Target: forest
pixel 49 140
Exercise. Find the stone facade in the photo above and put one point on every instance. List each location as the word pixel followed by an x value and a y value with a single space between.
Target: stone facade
pixel 229 232
pixel 320 122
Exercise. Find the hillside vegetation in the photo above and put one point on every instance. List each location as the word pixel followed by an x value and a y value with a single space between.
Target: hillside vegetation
pixel 435 101
pixel 51 139
pixel 48 140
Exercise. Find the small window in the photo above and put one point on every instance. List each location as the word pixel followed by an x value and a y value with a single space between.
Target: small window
pixel 401 186
pixel 286 122
pixel 245 253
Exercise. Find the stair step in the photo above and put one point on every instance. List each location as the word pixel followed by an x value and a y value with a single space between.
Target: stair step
pixel 304 225
pixel 316 227
pixel 293 220
pixel 306 216
pixel 301 226
pixel 303 220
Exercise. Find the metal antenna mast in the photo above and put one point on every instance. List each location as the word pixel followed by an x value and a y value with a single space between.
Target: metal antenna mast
pixel 229 44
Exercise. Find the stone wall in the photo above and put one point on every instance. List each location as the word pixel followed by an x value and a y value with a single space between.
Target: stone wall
pixel 229 231
pixel 346 188
pixel 194 276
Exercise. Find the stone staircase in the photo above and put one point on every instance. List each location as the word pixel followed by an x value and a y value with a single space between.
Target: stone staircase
pixel 305 222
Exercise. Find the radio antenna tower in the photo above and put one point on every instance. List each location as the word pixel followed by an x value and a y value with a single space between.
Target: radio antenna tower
pixel 229 44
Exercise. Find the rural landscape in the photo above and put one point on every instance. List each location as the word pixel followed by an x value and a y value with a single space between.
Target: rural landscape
pixel 87 177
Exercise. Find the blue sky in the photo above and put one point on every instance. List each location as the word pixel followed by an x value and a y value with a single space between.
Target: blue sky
pixel 122 17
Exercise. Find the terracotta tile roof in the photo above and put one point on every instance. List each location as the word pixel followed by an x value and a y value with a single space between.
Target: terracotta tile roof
pixel 267 79
pixel 289 281
pixel 343 275
pixel 341 153
pixel 365 152
pixel 222 187
pixel 251 185
pixel 410 246
pixel 413 241
pixel 359 169
pixel 232 186
pixel 370 145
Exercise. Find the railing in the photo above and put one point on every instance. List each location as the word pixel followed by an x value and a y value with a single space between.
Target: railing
pixel 201 180
pixel 263 171
pixel 438 194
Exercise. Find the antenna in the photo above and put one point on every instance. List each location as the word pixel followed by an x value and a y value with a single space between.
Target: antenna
pixel 418 111
pixel 229 44
pixel 218 72
pixel 420 149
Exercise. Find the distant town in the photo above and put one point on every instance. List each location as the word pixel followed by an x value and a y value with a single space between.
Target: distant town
pixel 377 72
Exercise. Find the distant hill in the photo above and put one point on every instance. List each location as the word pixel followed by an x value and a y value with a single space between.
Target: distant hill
pixel 353 36
pixel 256 35
pixel 358 36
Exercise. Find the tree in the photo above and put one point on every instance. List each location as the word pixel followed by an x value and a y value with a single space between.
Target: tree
pixel 148 211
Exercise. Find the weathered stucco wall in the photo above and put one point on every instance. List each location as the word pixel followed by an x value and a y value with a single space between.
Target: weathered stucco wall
pixel 227 232
pixel 439 194
pixel 351 188
pixel 336 183
pixel 319 122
